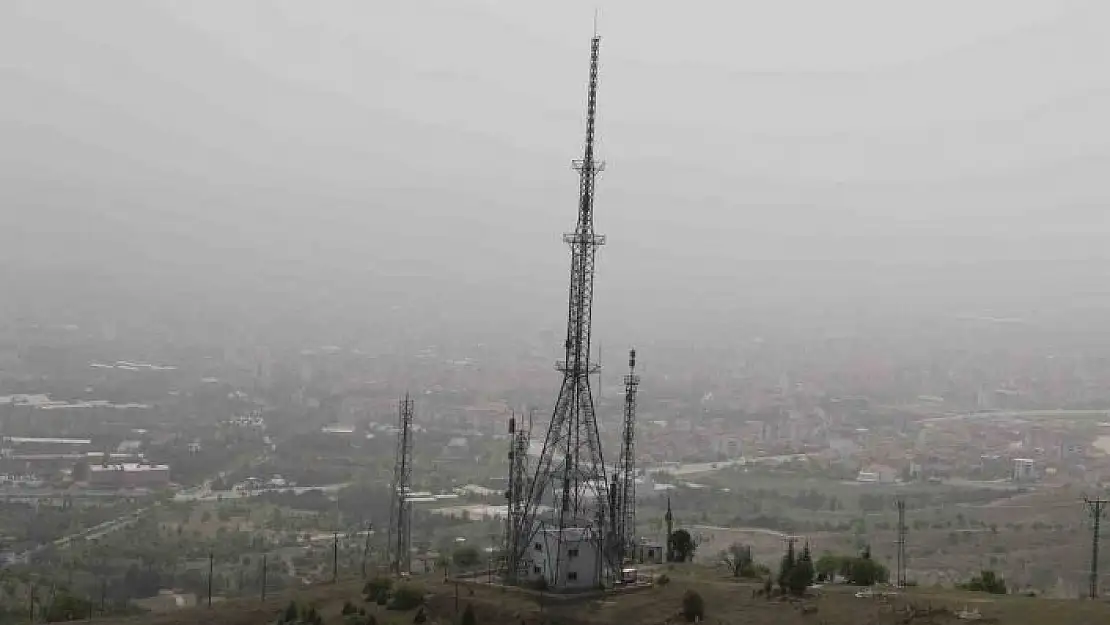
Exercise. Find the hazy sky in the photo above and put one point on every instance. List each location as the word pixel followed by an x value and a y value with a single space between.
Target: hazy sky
pixel 815 154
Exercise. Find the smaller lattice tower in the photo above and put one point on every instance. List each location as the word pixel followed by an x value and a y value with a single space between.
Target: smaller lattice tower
pixel 625 481
pixel 399 548
pixel 669 520
pixel 519 438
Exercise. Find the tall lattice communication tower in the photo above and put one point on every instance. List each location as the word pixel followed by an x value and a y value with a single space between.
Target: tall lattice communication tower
pixel 625 482
pixel 570 472
pixel 399 547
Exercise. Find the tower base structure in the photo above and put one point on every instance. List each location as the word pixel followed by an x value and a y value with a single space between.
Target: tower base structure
pixel 568 560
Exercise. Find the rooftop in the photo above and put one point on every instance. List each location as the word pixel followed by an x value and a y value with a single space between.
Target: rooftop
pixel 128 467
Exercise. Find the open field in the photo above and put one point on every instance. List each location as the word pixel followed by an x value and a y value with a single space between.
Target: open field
pixel 727 602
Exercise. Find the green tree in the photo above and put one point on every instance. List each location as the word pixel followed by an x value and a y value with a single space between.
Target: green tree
pixel 828 566
pixel 785 566
pixel 466 557
pixel 80 471
pixel 867 572
pixel 66 607
pixel 682 545
pixel 802 573
pixel 738 559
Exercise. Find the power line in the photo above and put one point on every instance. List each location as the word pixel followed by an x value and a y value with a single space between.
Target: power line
pixel 1097 508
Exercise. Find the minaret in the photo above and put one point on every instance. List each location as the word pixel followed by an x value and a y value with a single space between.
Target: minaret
pixel 670 531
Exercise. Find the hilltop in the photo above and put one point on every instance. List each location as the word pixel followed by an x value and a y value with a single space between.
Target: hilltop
pixel 727 602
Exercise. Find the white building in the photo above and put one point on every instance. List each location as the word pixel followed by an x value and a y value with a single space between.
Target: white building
pixel 1025 470
pixel 878 473
pixel 577 557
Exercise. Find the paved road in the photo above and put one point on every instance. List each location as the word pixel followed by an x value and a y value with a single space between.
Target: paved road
pixel 749 530
pixel 693 468
pixel 215 495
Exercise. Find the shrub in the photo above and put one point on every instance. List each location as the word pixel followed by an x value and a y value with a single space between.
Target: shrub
pixel 468 617
pixel 986 581
pixel 693 606
pixel 375 586
pixel 290 615
pixel 466 557
pixel 382 597
pixel 407 596
pixel 662 580
pixel 348 608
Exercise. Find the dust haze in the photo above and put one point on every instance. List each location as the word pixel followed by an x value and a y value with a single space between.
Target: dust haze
pixel 267 156
pixel 860 247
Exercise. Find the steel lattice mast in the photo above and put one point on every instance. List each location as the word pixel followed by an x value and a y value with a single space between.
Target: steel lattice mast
pixel 625 517
pixel 571 466
pixel 398 549
pixel 518 480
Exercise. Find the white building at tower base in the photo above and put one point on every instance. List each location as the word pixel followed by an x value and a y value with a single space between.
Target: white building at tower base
pixel 573 563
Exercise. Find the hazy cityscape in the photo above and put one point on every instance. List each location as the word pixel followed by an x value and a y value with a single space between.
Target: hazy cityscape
pixel 286 333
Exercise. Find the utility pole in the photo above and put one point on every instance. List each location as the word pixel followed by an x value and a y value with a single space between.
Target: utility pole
pixel 211 560
pixel 335 557
pixel 901 503
pixel 1097 508
pixel 366 547
pixel 263 577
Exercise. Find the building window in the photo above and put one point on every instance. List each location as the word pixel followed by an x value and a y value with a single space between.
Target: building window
pixel 572 576
pixel 572 553
pixel 536 570
pixel 539 547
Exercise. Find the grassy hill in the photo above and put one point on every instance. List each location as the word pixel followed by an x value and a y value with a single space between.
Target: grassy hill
pixel 727 602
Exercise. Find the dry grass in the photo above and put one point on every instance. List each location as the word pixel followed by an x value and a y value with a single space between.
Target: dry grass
pixel 727 603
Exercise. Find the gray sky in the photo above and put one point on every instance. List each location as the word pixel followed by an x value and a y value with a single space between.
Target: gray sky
pixel 807 154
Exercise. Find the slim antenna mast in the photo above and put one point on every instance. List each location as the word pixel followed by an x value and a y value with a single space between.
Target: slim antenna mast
pixel 625 515
pixel 901 504
pixel 399 547
pixel 1097 508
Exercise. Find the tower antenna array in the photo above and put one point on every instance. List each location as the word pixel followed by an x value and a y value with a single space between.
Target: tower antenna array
pixel 570 469
pixel 399 547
